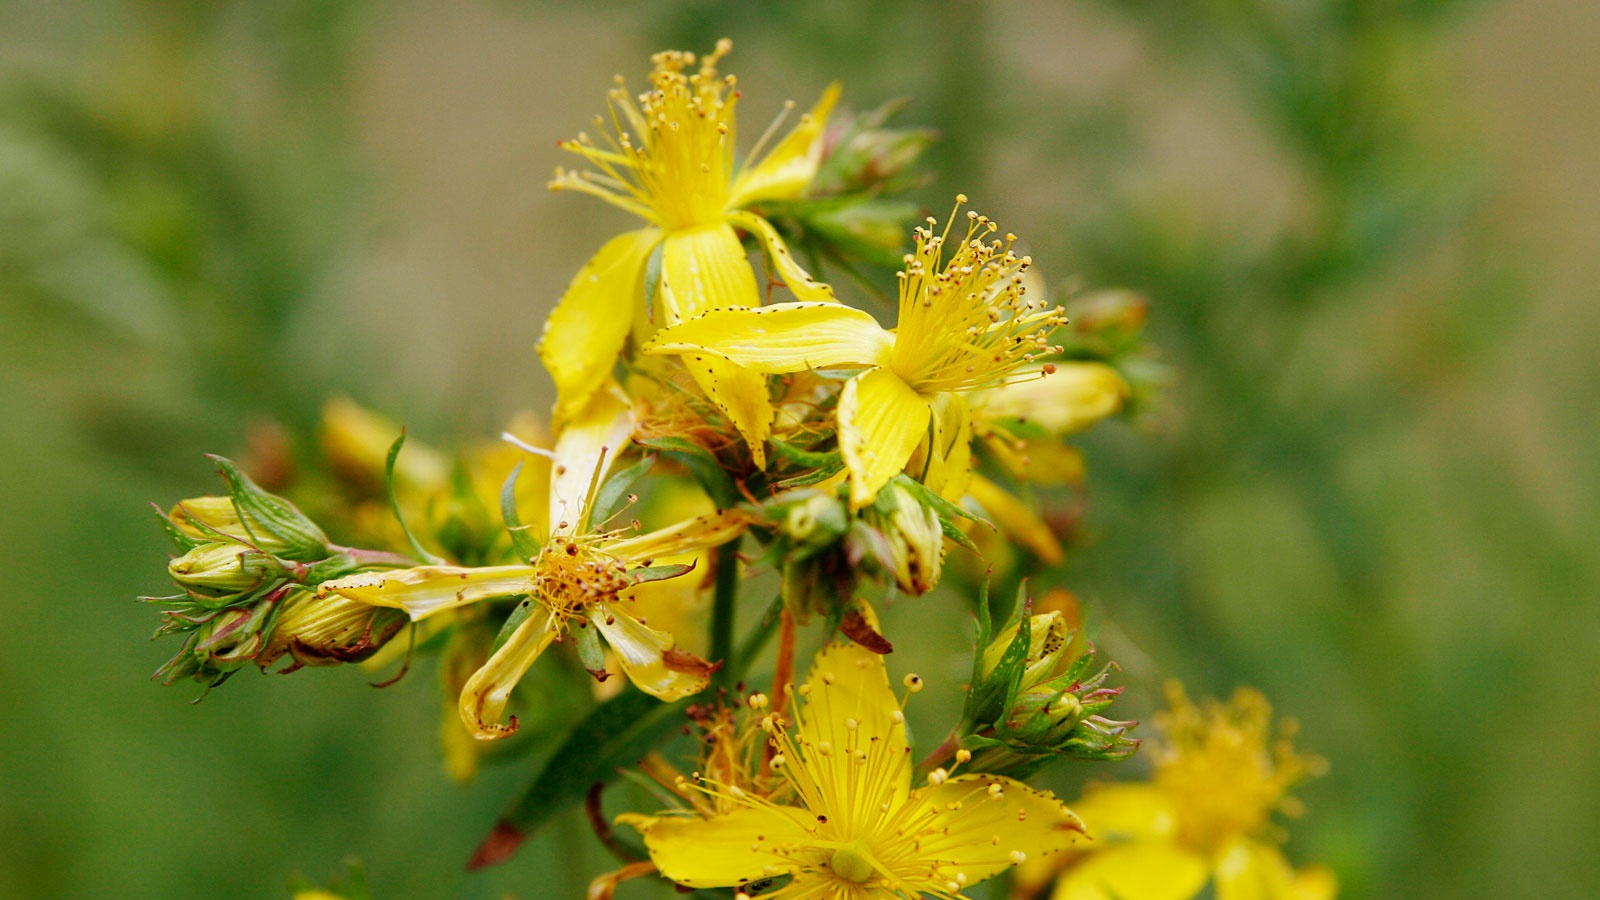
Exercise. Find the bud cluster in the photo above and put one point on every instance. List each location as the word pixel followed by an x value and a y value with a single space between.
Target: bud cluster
pixel 1037 695
pixel 247 566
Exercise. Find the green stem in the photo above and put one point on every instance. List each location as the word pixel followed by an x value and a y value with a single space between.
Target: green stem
pixel 755 640
pixel 722 609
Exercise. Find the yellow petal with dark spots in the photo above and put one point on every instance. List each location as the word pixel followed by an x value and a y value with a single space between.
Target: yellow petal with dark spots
pixel 782 337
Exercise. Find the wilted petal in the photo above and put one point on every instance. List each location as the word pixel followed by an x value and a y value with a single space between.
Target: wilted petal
pixel 782 337
pixel 697 533
pixel 650 658
pixel 424 590
pixel 881 421
pixel 586 331
pixel 483 699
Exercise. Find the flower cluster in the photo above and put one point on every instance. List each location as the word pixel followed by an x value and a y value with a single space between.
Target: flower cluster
pixel 721 424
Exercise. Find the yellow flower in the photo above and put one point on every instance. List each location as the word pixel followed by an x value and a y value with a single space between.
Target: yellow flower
pixel 845 821
pixel 965 325
pixel 1219 775
pixel 577 580
pixel 668 157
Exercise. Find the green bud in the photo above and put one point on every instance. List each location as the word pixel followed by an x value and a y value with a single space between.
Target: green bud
pixel 222 568
pixel 1036 697
pixel 270 518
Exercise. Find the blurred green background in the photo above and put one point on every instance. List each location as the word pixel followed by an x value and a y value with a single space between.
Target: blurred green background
pixel 1368 230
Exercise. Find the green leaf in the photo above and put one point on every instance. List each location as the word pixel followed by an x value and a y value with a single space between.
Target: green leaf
pixel 521 540
pixel 522 612
pixel 394 502
pixel 611 494
pixel 705 467
pixel 811 459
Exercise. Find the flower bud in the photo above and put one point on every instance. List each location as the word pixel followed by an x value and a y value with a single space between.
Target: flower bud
pixel 205 518
pixel 222 569
pixel 1036 697
pixel 916 541
pixel 326 631
pixel 273 519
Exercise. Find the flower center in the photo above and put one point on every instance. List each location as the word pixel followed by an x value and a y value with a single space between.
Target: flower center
pixel 853 862
pixel 572 573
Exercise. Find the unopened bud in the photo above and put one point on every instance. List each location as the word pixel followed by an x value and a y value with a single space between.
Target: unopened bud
pixel 222 568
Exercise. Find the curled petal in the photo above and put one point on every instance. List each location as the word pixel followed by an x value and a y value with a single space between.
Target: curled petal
pixel 424 590
pixel 796 279
pixel 650 657
pixel 586 331
pixel 691 534
pixel 483 698
pixel 881 421
pixel 782 337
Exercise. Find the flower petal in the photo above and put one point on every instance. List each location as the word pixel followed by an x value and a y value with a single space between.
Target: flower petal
pixel 1122 813
pixel 1073 397
pixel 724 851
pixel 788 168
pixel 949 459
pixel 588 446
pixel 483 698
pixel 982 825
pixel 1145 871
pixel 650 657
pixel 692 534
pixel 424 590
pixel 1250 870
pixel 586 331
pixel 850 684
pixel 782 337
pixel 881 421
pixel 704 268
pixel 1013 517
pixel 796 279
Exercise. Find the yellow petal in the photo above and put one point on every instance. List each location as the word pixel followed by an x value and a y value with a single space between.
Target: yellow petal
pixel 1014 518
pixel 484 697
pixel 585 451
pixel 788 168
pixel 1134 872
pixel 650 657
pixel 1122 813
pixel 1075 396
pixel 881 421
pixel 741 394
pixel 1250 870
pixel 692 534
pixel 782 337
pixel 424 590
pixel 849 684
pixel 1315 883
pixel 949 458
pixel 725 850
pixel 985 824
pixel 586 331
pixel 794 277
pixel 704 268
pixel 1036 460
